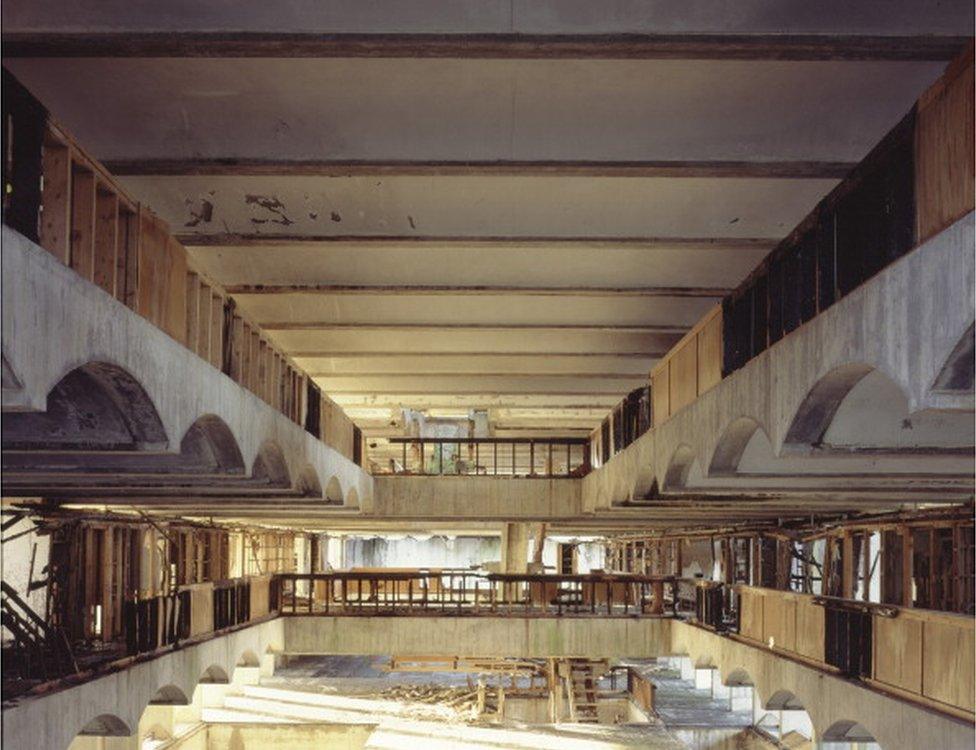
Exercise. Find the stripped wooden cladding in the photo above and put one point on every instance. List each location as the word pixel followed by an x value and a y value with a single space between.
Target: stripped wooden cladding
pixel 254 366
pixel 127 258
pixel 944 153
pixel 107 239
pixel 55 230
pixel 203 314
pixel 82 247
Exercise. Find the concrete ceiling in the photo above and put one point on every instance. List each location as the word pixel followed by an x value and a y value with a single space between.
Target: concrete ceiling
pixel 430 219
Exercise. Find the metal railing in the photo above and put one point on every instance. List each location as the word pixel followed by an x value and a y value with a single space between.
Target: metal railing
pixel 509 457
pixel 437 592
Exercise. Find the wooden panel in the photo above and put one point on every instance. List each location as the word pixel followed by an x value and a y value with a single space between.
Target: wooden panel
pixel 236 348
pixel 201 608
pixel 82 253
pixel 947 657
pixel 810 629
pixel 751 616
pixel 203 314
pixel 254 368
pixel 56 201
pixel 661 395
pixel 260 596
pixel 192 297
pixel 897 658
pixel 217 331
pixel 127 259
pixel 710 353
pixel 683 375
pixel 262 386
pixel 779 621
pixel 153 267
pixel 944 155
pixel 106 240
pixel 175 300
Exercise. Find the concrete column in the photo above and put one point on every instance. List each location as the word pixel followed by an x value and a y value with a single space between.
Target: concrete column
pixel 515 547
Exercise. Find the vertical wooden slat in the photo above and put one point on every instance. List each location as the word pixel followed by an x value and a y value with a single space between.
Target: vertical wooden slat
pixel 205 322
pixel 108 547
pixel 191 297
pixel 82 251
pixel 276 382
pixel 55 233
pixel 106 240
pixel 236 348
pixel 174 305
pixel 127 259
pixel 245 356
pixel 255 366
pixel 262 389
pixel 216 330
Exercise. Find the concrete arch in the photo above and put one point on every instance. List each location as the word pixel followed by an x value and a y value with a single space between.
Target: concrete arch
pixel 783 700
pixel 308 482
pixel 248 659
pixel 645 483
pixel 333 491
pixel 169 695
pixel 97 405
pixel 211 441
pixel 106 725
pixel 270 464
pixel 732 444
pixel 8 377
pixel 846 731
pixel 958 373
pixel 738 678
pixel 352 498
pixel 817 409
pixel 679 467
pixel 214 674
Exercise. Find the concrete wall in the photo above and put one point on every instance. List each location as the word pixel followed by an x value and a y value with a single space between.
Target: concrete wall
pixel 286 737
pixel 464 497
pixel 905 323
pixel 478 636
pixel 44 301
pixel 52 721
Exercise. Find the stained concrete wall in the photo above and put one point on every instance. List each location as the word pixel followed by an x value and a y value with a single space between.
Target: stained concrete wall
pixel 286 737
pixel 52 721
pixel 466 497
pixel 44 301
pixel 904 322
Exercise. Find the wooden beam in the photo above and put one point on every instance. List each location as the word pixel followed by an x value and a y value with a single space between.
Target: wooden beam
pixel 84 187
pixel 427 354
pixel 516 327
pixel 106 240
pixel 484 290
pixel 461 374
pixel 461 242
pixel 683 168
pixel 700 46
pixel 55 231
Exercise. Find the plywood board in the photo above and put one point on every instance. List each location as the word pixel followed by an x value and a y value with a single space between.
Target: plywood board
pixel 82 254
pixel 779 621
pixel 751 604
pixel 898 652
pixel 56 201
pixel 661 395
pixel 710 353
pixel 106 240
pixel 948 656
pixel 810 629
pixel 944 154
pixel 683 375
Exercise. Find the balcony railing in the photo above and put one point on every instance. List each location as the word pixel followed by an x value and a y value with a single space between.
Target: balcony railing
pixel 440 592
pixel 495 457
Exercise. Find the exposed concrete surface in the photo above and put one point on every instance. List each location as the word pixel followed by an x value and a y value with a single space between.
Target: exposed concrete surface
pixel 52 721
pixel 895 724
pixel 498 16
pixel 888 324
pixel 478 636
pixel 79 323
pixel 502 498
